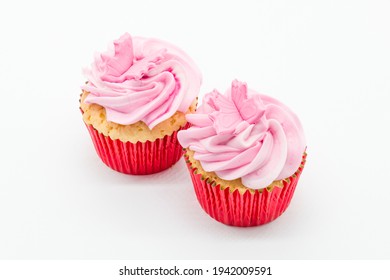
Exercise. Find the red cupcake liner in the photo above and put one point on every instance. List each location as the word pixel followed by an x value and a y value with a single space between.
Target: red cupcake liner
pixel 247 209
pixel 139 158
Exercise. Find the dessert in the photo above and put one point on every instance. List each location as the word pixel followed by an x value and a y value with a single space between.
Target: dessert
pixel 245 152
pixel 135 100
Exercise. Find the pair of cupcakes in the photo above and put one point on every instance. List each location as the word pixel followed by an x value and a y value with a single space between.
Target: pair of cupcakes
pixel 244 151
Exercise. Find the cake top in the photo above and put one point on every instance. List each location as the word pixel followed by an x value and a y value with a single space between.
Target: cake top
pixel 141 79
pixel 247 135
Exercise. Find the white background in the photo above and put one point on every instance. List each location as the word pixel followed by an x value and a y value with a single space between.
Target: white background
pixel 328 60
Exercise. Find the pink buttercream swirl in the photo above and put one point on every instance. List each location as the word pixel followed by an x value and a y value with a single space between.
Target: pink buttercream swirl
pixel 141 79
pixel 247 135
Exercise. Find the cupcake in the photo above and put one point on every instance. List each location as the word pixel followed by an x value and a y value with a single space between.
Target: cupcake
pixel 135 100
pixel 245 152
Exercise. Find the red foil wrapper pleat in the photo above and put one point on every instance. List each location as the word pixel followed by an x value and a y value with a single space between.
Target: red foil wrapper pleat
pixel 247 209
pixel 139 158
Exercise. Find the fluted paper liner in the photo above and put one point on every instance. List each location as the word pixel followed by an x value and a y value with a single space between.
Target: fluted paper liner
pixel 252 208
pixel 139 158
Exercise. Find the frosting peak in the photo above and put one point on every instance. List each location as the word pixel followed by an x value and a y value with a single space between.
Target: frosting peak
pixel 141 79
pixel 235 112
pixel 116 62
pixel 247 135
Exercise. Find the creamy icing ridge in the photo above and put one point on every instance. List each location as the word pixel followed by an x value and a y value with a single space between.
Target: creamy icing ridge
pixel 141 79
pixel 247 135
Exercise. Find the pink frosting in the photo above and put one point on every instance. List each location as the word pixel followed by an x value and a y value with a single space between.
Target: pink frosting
pixel 141 79
pixel 247 135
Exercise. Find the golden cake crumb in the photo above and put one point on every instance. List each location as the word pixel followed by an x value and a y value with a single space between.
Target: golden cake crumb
pixel 232 185
pixel 95 115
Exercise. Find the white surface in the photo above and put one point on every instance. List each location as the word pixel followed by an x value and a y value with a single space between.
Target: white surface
pixel 328 61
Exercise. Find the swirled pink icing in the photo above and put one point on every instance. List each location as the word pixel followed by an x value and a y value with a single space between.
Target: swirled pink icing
pixel 140 79
pixel 247 135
